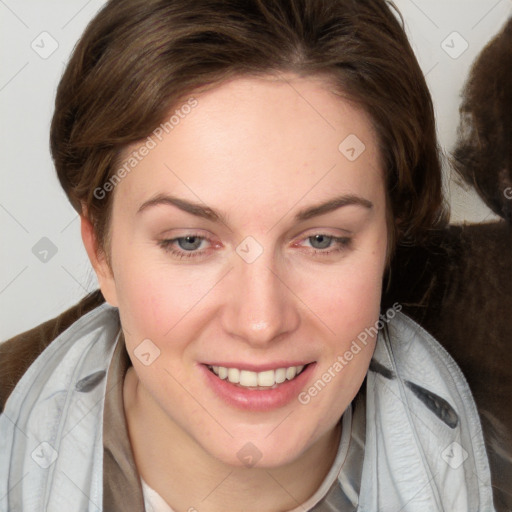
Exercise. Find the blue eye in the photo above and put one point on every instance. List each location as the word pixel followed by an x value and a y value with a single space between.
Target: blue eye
pixel 189 243
pixel 323 241
pixel 320 242
pixel 187 246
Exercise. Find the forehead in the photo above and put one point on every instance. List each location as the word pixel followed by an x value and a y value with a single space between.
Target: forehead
pixel 253 138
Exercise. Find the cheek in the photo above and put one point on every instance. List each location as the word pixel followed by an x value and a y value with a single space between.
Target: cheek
pixel 350 307
pixel 140 300
pixel 146 292
pixel 157 299
pixel 347 298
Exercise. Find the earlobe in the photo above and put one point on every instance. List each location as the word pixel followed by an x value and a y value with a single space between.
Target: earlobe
pixel 98 261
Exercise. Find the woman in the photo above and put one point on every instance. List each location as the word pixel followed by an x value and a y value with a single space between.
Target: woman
pixel 243 172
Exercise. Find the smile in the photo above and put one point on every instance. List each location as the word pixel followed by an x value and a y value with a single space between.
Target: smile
pixel 249 389
pixel 268 379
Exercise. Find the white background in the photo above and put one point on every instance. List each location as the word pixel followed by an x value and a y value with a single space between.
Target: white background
pixel 32 205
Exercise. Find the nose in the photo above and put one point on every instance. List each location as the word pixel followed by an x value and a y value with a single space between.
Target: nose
pixel 260 307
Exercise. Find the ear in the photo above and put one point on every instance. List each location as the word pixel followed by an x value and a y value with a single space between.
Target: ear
pixel 98 261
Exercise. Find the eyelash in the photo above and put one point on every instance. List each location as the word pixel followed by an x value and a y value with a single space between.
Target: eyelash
pixel 343 243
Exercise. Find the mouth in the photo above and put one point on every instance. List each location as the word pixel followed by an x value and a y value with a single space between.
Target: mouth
pixel 257 381
pixel 257 391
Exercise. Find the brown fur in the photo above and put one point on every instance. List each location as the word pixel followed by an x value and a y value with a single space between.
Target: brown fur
pixel 483 155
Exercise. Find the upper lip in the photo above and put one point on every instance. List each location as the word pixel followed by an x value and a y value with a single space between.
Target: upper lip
pixel 260 367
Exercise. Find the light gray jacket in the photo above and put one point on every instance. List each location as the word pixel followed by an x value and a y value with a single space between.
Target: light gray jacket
pixel 424 448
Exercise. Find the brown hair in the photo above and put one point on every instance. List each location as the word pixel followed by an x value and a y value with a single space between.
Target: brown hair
pixel 138 58
pixel 483 153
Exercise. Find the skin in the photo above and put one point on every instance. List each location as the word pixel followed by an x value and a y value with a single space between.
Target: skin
pixel 258 150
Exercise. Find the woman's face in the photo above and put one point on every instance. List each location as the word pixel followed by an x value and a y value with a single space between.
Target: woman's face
pixel 251 238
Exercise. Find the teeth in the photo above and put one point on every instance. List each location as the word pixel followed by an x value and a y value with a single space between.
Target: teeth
pixel 280 375
pixel 266 378
pixel 233 375
pixel 250 379
pixel 291 372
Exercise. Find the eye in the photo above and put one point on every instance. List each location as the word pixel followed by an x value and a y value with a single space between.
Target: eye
pixel 321 243
pixel 184 246
pixel 189 243
pixel 189 246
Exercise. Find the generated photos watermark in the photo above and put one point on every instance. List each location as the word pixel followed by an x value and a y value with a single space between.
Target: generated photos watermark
pixel 144 149
pixel 345 358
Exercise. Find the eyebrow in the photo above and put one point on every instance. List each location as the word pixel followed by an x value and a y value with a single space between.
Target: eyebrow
pixel 200 210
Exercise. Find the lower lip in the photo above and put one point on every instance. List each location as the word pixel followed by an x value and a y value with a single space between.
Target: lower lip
pixel 258 400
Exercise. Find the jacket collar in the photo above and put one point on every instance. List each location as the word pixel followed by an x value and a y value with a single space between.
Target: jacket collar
pixel 65 444
pixel 122 488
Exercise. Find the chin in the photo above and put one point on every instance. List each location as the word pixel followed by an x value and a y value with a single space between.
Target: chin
pixel 263 447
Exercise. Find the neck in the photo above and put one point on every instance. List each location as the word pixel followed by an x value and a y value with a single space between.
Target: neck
pixel 189 478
